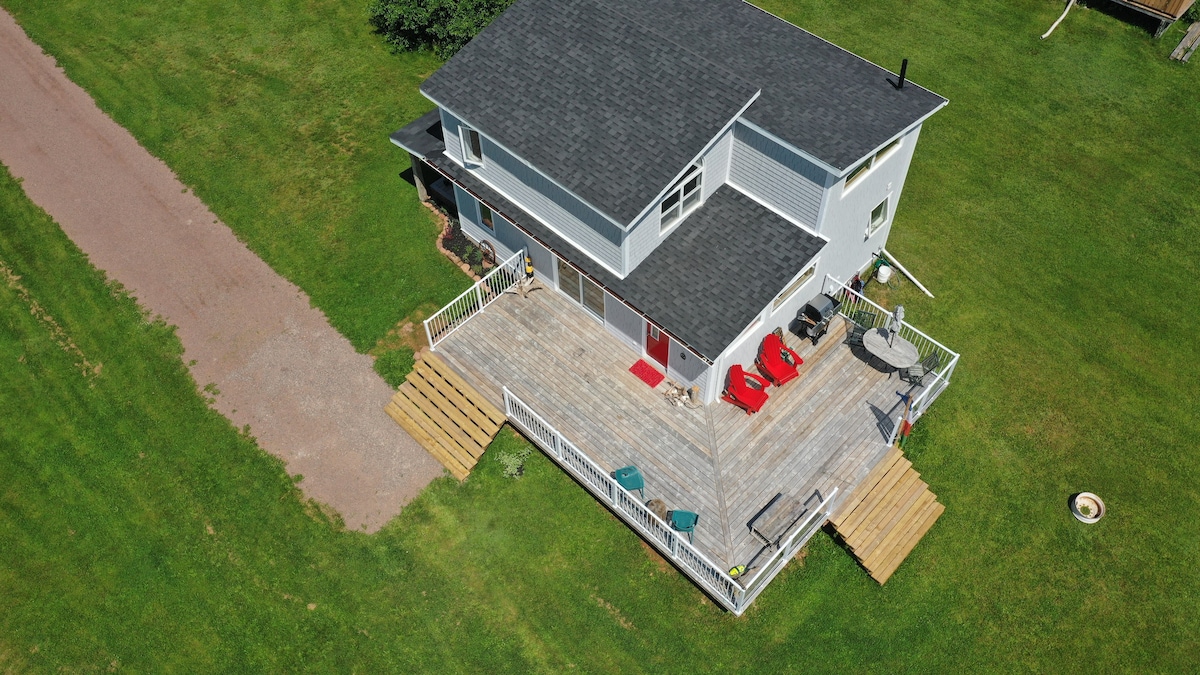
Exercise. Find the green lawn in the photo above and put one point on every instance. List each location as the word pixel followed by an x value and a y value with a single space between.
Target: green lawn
pixel 1052 207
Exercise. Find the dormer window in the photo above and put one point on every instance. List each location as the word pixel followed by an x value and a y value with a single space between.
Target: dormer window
pixel 682 199
pixel 472 146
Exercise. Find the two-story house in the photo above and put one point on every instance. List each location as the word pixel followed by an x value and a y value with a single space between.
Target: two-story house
pixel 687 174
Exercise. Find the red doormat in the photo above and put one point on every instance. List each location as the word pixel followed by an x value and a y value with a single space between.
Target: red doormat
pixel 646 373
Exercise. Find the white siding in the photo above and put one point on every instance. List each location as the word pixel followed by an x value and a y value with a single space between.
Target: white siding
pixel 776 176
pixel 848 212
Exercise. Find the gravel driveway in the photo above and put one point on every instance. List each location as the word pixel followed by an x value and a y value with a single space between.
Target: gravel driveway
pixel 308 397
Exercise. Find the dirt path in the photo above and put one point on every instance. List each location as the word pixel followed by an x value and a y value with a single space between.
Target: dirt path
pixel 278 364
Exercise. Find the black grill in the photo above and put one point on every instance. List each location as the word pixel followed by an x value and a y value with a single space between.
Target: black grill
pixel 813 318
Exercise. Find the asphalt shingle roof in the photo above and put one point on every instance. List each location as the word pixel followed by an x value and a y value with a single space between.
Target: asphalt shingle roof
pixel 613 98
pixel 834 105
pixel 422 136
pixel 599 103
pixel 706 282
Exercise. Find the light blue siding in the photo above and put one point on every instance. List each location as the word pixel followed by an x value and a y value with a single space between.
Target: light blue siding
pixel 716 164
pixel 687 369
pixel 776 176
pixel 585 227
pixel 643 239
pixel 645 236
pixel 624 323
pixel 450 136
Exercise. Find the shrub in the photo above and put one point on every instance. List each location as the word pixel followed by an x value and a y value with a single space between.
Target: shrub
pixel 513 462
pixel 443 26
pixel 394 365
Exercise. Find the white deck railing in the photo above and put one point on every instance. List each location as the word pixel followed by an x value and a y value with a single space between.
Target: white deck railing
pixel 727 591
pixel 861 310
pixel 472 301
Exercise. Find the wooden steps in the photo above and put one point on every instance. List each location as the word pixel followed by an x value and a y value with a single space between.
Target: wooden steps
pixel 445 415
pixel 885 517
pixel 1188 45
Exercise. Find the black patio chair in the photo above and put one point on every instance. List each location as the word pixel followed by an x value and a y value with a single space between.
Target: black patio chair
pixel 854 334
pixel 923 371
pixel 862 317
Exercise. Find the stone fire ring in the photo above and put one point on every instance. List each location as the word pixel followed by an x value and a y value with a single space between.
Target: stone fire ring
pixel 1087 503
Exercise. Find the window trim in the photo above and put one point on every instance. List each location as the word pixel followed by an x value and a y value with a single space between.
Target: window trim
pixel 696 171
pixel 889 149
pixel 858 172
pixel 794 286
pixel 868 165
pixel 490 221
pixel 872 227
pixel 581 283
pixel 464 133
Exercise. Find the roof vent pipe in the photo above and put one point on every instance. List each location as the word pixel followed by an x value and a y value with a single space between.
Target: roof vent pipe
pixel 903 73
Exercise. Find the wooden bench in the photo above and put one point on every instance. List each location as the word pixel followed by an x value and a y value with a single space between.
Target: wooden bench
pixel 771 523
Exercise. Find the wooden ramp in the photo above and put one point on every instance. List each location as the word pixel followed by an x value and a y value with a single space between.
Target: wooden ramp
pixel 887 515
pixel 446 416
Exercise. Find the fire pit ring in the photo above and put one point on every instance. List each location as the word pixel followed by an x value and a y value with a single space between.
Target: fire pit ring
pixel 1087 507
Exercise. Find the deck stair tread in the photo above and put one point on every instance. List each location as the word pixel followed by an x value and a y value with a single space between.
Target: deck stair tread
pixel 885 517
pixel 1189 43
pixel 451 420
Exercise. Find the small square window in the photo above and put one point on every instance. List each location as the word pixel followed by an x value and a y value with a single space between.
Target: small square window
pixel 472 146
pixel 878 217
pixel 485 217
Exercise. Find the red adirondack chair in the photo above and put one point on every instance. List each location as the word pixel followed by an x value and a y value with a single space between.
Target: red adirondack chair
pixel 745 390
pixel 777 361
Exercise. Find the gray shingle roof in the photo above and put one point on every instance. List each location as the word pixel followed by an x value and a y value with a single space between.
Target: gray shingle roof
pixel 605 107
pixel 422 136
pixel 706 282
pixel 612 99
pixel 817 96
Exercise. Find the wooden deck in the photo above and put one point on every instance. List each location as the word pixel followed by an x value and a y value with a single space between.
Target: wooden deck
pixel 826 429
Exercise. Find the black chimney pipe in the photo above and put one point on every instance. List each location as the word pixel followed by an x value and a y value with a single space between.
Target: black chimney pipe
pixel 903 72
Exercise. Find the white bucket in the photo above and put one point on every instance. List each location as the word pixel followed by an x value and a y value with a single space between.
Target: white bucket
pixel 883 274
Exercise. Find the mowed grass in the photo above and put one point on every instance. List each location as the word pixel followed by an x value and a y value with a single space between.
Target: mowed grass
pixel 277 115
pixel 1052 207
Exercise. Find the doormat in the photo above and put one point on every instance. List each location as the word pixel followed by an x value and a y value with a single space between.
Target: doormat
pixel 646 373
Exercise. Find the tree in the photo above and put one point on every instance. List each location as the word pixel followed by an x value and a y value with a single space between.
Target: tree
pixel 443 26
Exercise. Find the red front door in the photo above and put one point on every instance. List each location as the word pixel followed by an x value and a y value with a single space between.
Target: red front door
pixel 658 345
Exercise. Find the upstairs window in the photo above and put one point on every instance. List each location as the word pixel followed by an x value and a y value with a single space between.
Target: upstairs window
pixel 787 293
pixel 887 149
pixel 682 199
pixel 866 166
pixel 472 146
pixel 878 217
pixel 859 171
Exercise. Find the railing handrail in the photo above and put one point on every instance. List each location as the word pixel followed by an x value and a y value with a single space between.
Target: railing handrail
pixel 732 591
pixel 786 546
pixel 728 591
pixel 872 303
pixel 471 309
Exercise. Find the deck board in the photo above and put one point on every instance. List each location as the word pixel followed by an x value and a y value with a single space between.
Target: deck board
pixel 817 432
